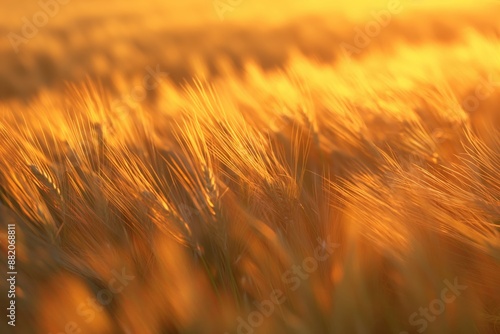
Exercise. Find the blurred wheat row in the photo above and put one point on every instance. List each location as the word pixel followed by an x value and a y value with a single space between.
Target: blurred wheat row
pixel 115 49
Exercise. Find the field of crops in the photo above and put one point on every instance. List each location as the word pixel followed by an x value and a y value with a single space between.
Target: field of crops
pixel 239 167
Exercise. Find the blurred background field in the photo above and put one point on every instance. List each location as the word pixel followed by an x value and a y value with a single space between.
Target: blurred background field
pixel 114 41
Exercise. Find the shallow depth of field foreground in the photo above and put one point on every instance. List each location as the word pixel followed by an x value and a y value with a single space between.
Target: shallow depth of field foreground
pixel 282 179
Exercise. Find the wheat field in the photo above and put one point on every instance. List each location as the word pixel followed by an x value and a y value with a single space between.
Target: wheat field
pixel 171 170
